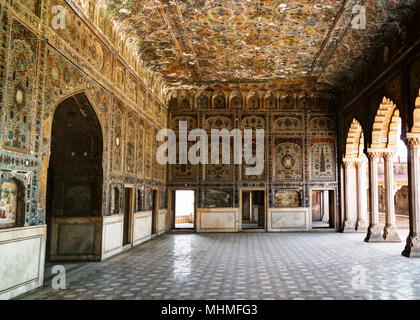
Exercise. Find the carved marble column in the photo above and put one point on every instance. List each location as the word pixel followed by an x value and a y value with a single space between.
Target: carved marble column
pixel 362 221
pixel 350 191
pixel 390 229
pixel 374 231
pixel 412 248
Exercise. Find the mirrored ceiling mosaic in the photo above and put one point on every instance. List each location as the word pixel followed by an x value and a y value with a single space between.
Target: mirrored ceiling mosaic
pixel 302 42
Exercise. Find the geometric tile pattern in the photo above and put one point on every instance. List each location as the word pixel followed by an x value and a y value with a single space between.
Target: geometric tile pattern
pixel 248 266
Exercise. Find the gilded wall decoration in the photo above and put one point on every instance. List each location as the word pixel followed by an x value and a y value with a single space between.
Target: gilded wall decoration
pixel 253 101
pixel 323 124
pixel 219 100
pixel 323 163
pixel 117 138
pixel 270 101
pixel 287 199
pixel 218 122
pixel 140 151
pixel 15 199
pixel 236 100
pixel 162 199
pixel 219 172
pixel 287 123
pixel 8 203
pixel 20 91
pixel 203 101
pixel 33 5
pixel 131 87
pixel 148 199
pixel 253 122
pixel 287 159
pixel 184 102
pixel 119 74
pixel 130 149
pixel 66 63
pixel 216 198
pixel 148 153
pixel 190 120
pixel 182 172
pixel 248 177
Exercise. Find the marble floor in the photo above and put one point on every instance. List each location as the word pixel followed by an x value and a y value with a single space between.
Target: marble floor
pixel 248 266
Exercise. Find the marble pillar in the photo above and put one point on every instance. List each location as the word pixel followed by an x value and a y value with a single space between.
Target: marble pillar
pixel 412 248
pixel 350 189
pixel 325 206
pixel 362 220
pixel 374 231
pixel 390 229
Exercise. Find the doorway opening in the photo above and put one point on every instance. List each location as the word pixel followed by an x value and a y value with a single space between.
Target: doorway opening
pixel 322 209
pixel 184 203
pixel 128 215
pixel 154 211
pixel 74 182
pixel 253 209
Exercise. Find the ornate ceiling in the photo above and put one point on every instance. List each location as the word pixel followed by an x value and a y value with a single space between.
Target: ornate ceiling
pixel 279 42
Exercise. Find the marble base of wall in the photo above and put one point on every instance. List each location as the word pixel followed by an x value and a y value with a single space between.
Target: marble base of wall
pixel 217 220
pixel 112 235
pixel 142 228
pixel 22 257
pixel 289 219
pixel 76 239
pixel 162 221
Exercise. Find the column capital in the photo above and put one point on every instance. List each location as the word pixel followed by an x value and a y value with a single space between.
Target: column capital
pixel 375 153
pixel 360 162
pixel 413 139
pixel 388 154
pixel 350 162
pixel 381 152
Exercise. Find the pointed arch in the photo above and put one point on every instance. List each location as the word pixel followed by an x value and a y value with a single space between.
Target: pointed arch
pixel 416 116
pixel 354 141
pixel 386 124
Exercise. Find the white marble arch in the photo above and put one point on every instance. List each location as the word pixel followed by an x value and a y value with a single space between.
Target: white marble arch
pixel 289 219
pixel 217 220
pixel 22 258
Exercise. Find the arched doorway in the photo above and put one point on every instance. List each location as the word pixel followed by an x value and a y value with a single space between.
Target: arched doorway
pixel 75 182
pixel 387 160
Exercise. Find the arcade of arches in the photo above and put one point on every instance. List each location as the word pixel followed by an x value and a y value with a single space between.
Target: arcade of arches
pixel 86 85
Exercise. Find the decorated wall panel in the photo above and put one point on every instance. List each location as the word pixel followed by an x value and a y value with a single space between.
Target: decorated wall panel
pixel 37 73
pixel 287 159
pixel 21 88
pixel 323 159
pixel 290 122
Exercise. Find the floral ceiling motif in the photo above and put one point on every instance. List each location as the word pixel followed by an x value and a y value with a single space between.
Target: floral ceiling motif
pixel 193 42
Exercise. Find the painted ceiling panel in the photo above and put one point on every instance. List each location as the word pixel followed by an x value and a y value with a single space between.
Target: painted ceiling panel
pixel 250 41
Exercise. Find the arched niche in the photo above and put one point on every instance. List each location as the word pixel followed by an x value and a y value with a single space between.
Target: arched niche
pixel 12 202
pixel 75 182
